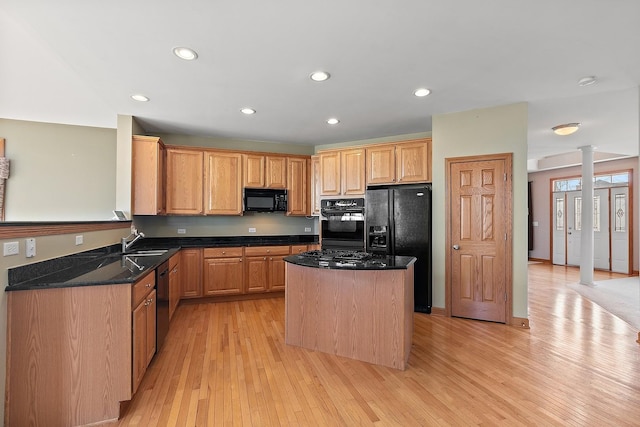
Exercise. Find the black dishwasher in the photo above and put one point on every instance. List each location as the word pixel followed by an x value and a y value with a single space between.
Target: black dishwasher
pixel 162 306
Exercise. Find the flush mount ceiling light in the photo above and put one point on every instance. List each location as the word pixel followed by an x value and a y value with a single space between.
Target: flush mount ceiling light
pixel 586 81
pixel 422 92
pixel 140 98
pixel 333 121
pixel 185 53
pixel 565 129
pixel 248 111
pixel 319 76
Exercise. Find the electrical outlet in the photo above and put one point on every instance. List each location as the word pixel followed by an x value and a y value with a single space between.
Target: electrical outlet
pixel 30 247
pixel 307 229
pixel 79 239
pixel 11 248
pixel 182 231
pixel 252 229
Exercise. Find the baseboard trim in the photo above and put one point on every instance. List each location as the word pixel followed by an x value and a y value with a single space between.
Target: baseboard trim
pixel 520 322
pixel 541 260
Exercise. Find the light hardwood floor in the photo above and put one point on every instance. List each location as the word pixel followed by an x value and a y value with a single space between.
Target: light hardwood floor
pixel 226 364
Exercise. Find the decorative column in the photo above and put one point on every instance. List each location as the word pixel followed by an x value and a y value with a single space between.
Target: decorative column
pixel 586 234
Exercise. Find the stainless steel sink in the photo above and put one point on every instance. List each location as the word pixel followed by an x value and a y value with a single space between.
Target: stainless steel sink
pixel 148 252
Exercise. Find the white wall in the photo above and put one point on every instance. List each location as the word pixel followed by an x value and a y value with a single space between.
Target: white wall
pixel 59 172
pixel 541 199
pixel 485 131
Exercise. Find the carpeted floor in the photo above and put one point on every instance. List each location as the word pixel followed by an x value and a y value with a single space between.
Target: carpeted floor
pixel 620 297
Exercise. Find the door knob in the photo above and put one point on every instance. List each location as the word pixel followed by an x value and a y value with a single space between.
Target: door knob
pixel 456 247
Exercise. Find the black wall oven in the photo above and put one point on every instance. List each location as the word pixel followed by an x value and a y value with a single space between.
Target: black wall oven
pixel 342 225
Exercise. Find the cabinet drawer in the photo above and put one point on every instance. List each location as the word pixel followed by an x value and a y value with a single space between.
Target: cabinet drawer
pixel 297 249
pixel 222 252
pixel 266 250
pixel 142 287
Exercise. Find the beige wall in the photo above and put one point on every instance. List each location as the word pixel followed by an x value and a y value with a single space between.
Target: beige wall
pixel 541 194
pixel 485 131
pixel 59 172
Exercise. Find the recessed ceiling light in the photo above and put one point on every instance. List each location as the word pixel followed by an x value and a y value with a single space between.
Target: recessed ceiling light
pixel 319 76
pixel 139 97
pixel 247 111
pixel 185 53
pixel 586 81
pixel 422 92
pixel 333 121
pixel 565 129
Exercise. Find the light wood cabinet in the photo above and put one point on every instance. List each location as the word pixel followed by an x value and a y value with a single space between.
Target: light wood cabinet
pixel 144 326
pixel 68 355
pixel 191 273
pixel 174 283
pixel 223 271
pixel 298 186
pixel 275 171
pixel 253 165
pixel 265 267
pixel 223 186
pixel 399 163
pixel 148 166
pixel 264 171
pixel 184 181
pixel 315 185
pixel 413 162
pixel 342 172
pixel 352 173
pixel 298 249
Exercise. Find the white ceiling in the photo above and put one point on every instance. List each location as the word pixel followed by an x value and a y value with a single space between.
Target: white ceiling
pixel 78 62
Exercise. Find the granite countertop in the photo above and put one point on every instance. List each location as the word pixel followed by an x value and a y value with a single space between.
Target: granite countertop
pixel 108 265
pixel 377 262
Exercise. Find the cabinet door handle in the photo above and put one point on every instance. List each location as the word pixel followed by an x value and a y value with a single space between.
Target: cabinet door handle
pixel 264 258
pixel 148 285
pixel 224 252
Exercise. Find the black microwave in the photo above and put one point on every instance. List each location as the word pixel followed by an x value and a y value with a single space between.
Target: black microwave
pixel 265 200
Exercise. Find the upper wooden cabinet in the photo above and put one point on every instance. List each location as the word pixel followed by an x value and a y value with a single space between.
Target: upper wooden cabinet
pixel 399 163
pixel 298 188
pixel 315 185
pixel 147 165
pixel 264 171
pixel 342 172
pixel 184 181
pixel 223 186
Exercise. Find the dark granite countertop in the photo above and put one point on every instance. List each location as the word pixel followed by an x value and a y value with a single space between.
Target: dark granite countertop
pixel 108 265
pixel 377 262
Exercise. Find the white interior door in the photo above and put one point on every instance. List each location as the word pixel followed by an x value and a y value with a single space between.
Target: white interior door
pixel 559 228
pixel 574 226
pixel 601 229
pixel 620 223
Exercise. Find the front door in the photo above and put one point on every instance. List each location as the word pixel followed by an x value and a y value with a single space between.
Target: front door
pixel 479 236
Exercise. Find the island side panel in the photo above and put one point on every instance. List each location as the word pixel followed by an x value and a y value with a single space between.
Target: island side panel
pixel 361 314
pixel 69 355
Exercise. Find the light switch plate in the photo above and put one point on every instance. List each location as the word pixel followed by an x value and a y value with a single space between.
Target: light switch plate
pixel 30 247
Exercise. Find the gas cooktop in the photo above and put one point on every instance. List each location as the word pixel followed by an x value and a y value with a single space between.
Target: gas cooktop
pixel 344 258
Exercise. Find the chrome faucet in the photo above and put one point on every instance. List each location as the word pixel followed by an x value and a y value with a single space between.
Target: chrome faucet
pixel 126 245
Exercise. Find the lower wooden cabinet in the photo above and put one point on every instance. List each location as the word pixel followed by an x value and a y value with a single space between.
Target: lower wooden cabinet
pixel 191 273
pixel 143 298
pixel 264 268
pixel 174 283
pixel 298 249
pixel 223 271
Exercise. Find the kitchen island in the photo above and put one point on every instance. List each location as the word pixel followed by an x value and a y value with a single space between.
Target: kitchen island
pixel 358 309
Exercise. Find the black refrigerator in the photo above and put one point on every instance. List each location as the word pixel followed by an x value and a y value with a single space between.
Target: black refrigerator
pixel 398 222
